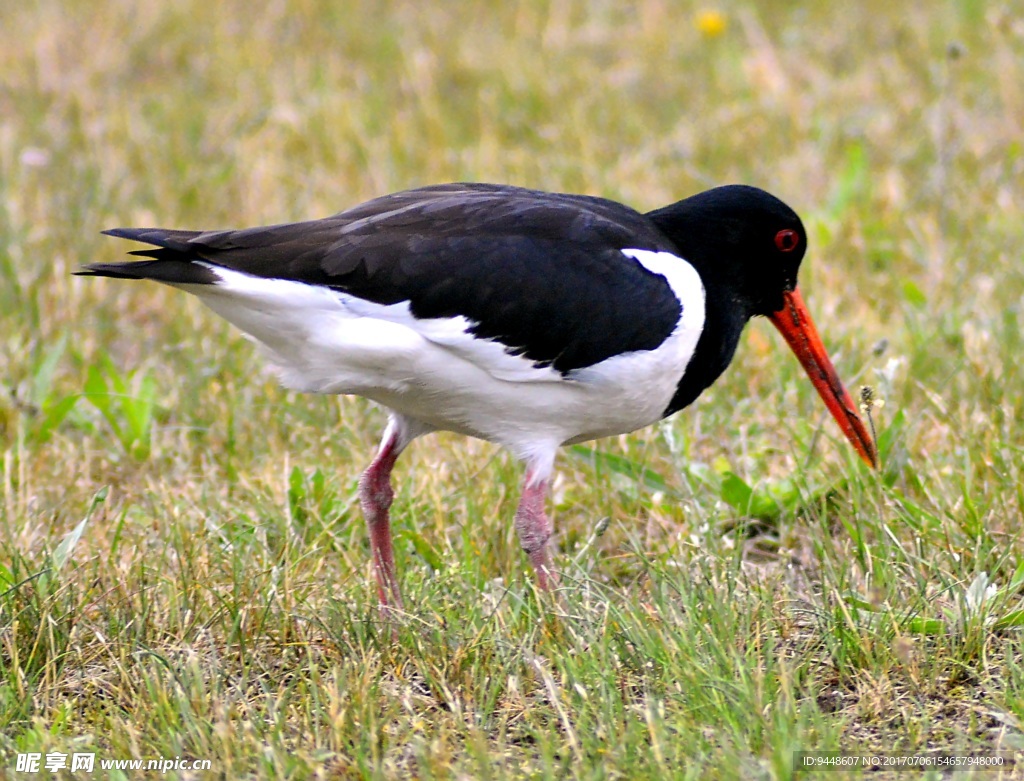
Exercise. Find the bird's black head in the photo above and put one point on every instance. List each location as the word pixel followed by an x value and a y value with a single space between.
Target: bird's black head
pixel 745 243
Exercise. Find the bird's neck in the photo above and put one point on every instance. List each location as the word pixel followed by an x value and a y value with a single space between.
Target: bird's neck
pixel 697 231
pixel 723 323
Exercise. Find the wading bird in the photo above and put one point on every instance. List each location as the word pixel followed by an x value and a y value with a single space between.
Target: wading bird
pixel 526 318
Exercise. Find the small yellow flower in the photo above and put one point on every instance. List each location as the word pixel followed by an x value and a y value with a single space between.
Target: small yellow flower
pixel 710 23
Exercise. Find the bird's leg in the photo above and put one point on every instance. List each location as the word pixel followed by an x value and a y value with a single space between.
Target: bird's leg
pixel 534 528
pixel 376 495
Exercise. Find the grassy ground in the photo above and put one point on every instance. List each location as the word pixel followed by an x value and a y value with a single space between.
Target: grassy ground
pixel 183 567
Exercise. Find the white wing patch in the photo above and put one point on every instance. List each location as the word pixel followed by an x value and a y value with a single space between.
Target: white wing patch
pixel 681 277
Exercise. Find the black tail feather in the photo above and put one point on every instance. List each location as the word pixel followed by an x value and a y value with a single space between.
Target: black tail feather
pixel 171 258
pixel 173 272
pixel 159 237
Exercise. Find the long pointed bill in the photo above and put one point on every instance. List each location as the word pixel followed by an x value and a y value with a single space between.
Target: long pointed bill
pixel 795 324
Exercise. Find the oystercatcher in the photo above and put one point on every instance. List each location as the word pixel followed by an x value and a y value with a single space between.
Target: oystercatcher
pixel 526 318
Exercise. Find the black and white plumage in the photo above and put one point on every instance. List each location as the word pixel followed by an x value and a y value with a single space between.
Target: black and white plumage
pixel 526 318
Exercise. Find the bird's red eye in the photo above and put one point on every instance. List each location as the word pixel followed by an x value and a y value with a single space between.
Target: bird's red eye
pixel 787 240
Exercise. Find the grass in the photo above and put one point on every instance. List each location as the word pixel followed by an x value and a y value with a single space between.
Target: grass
pixel 183 567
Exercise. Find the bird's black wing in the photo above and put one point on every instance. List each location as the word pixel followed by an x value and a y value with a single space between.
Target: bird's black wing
pixel 541 273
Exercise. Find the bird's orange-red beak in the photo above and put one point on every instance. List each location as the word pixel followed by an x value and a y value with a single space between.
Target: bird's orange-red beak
pixel 795 324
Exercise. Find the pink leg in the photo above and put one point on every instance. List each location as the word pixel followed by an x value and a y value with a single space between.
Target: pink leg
pixel 376 495
pixel 534 528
